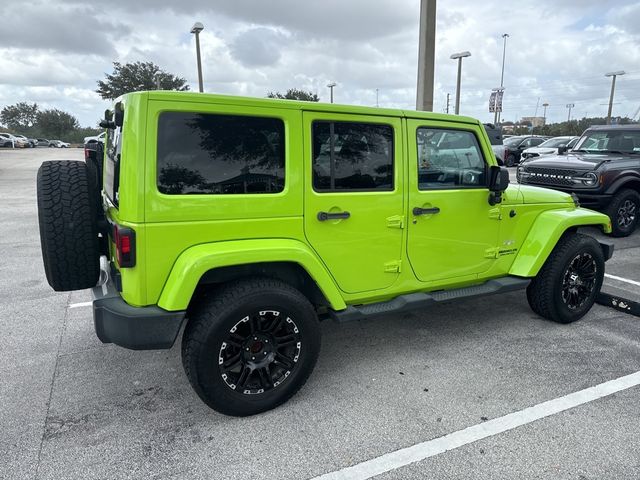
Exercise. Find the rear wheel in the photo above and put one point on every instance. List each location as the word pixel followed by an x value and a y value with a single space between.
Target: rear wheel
pixel 68 225
pixel 510 161
pixel 566 287
pixel 623 211
pixel 251 346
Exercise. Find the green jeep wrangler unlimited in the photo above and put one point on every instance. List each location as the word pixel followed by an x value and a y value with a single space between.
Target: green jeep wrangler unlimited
pixel 249 220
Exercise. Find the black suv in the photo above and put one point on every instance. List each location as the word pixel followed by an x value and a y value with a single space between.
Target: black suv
pixel 603 170
pixel 514 146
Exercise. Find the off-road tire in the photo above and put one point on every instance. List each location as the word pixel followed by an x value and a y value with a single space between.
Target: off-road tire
pixel 211 319
pixel 544 293
pixel 622 200
pixel 68 226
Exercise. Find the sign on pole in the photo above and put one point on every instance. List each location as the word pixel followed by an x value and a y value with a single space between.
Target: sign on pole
pixel 492 102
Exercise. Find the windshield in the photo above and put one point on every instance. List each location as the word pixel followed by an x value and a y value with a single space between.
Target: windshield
pixel 555 142
pixel 512 141
pixel 610 141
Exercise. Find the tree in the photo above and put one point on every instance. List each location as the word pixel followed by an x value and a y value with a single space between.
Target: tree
pixel 21 116
pixel 295 94
pixel 138 76
pixel 55 123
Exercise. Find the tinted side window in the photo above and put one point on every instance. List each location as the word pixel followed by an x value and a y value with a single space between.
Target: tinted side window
pixel 449 159
pixel 219 154
pixel 352 156
pixel 536 141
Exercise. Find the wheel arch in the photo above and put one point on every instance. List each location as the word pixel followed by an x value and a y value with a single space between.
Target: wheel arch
pixel 625 182
pixel 288 260
pixel 548 228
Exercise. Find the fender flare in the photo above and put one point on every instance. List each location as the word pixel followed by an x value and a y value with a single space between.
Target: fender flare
pixel 545 232
pixel 194 262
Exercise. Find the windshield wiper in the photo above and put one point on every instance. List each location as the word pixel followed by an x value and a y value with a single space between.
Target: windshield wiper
pixel 580 150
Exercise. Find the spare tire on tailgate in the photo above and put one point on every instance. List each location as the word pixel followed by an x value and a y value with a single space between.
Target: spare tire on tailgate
pixel 68 225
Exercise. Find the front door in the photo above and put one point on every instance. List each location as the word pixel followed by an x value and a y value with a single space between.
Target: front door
pixel 453 230
pixel 354 197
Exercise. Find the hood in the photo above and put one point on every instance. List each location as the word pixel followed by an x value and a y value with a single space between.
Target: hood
pixel 518 194
pixel 574 161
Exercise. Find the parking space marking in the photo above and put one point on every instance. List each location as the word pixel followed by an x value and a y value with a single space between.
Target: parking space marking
pixel 81 304
pixel 620 279
pixel 421 451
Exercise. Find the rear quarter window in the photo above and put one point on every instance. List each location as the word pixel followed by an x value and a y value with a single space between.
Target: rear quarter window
pixel 201 153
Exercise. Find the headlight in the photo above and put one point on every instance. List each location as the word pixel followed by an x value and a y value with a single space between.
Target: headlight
pixel 590 179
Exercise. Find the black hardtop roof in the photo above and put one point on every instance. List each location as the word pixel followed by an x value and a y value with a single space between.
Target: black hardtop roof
pixel 630 126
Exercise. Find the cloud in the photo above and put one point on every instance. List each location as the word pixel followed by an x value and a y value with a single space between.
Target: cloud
pixel 258 47
pixel 76 29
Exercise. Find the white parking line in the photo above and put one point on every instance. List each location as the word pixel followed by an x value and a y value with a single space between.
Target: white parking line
pixel 421 451
pixel 620 279
pixel 81 304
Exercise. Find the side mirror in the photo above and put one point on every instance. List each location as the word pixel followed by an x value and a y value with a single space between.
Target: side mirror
pixel 562 149
pixel 119 115
pixel 498 183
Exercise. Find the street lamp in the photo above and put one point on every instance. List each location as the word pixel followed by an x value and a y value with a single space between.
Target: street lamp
pixel 496 118
pixel 613 89
pixel 459 57
pixel 197 28
pixel 569 106
pixel 544 115
pixel 331 85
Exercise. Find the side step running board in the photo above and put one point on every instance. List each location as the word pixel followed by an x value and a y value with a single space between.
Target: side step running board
pixel 413 301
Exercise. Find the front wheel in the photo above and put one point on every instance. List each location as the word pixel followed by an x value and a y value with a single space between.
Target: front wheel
pixel 250 346
pixel 623 211
pixel 510 161
pixel 566 287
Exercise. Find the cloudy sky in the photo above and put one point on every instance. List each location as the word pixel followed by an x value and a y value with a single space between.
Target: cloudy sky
pixel 52 52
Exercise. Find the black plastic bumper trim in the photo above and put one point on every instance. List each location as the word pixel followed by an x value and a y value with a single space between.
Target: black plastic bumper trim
pixel 136 328
pixel 607 249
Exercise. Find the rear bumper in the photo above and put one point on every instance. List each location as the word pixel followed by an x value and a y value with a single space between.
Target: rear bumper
pixel 136 328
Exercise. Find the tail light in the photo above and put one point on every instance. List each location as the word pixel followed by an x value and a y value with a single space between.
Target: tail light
pixel 125 240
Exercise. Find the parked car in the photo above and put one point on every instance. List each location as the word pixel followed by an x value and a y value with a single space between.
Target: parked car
pixel 255 216
pixel 602 170
pixel 7 140
pixel 97 138
pixel 59 144
pixel 514 146
pixel 24 142
pixel 42 142
pixel 549 147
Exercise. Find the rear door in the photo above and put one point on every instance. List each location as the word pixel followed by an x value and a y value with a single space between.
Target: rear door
pixel 353 197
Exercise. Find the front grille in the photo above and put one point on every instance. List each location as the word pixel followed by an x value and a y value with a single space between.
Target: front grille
pixel 549 176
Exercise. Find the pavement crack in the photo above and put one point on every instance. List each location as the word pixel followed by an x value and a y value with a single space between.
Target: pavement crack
pixel 53 380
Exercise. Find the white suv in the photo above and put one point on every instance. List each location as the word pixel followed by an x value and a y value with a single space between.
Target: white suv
pixel 98 138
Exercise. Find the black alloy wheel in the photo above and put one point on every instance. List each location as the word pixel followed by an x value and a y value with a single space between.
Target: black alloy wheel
pixel 250 345
pixel 579 280
pixel 260 352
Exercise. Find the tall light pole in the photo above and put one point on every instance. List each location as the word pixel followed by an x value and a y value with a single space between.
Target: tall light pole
pixel 197 28
pixel 569 106
pixel 496 118
pixel 613 89
pixel 544 115
pixel 426 55
pixel 331 85
pixel 459 57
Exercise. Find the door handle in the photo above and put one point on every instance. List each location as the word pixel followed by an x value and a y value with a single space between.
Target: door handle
pixel 323 216
pixel 425 211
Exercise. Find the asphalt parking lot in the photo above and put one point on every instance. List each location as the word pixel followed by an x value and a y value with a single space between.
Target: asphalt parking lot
pixel 71 407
